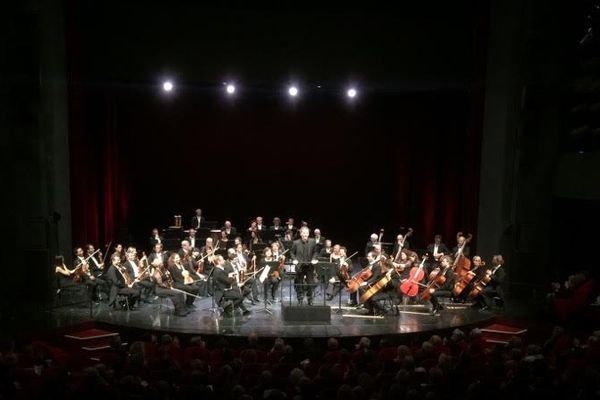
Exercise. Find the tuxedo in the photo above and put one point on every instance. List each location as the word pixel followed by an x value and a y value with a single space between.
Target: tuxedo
pixel 197 221
pixel 397 247
pixel 119 286
pixel 441 248
pixel 232 232
pixel 194 241
pixel 304 252
pixel 162 256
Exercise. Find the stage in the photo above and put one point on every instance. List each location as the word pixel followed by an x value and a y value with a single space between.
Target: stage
pixel 345 321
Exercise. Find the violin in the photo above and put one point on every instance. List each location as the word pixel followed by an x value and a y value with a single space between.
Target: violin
pixel 279 269
pixel 345 267
pixel 410 287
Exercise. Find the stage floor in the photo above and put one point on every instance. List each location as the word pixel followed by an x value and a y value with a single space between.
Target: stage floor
pixel 345 321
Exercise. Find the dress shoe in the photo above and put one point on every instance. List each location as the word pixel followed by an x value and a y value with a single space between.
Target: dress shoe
pixel 191 306
pixel 246 312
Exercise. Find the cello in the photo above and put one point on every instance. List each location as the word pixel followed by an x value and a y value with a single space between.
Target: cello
pixel 364 275
pixel 436 281
pixel 410 287
pixel 464 281
pixel 380 284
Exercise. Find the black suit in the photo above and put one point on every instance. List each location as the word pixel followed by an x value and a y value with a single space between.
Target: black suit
pixel 227 294
pixel 119 286
pixel 466 251
pixel 197 221
pixel 304 253
pixel 153 240
pixel 178 283
pixel 493 288
pixel 232 232
pixel 442 248
pixel 397 247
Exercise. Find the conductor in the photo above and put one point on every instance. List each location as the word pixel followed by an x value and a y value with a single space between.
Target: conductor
pixel 303 255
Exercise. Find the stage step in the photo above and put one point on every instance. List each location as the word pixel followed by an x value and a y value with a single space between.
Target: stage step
pixel 92 339
pixel 501 333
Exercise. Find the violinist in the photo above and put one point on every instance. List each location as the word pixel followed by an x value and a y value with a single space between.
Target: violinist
pixel 493 289
pixel 157 254
pixel 96 269
pixel 325 253
pixel 192 239
pixel 82 274
pixel 445 290
pixel 290 227
pixel 226 293
pixel 179 274
pixel 223 241
pixel 237 263
pixel 119 251
pixel 403 262
pixel 343 271
pixel 119 280
pixel 271 281
pixel 437 249
pixel 190 262
pixel 63 273
pixel 155 237
pixel 164 282
pixel 244 261
pixel 139 271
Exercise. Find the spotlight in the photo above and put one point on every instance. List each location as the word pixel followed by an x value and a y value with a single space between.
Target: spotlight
pixel 167 86
pixel 230 88
pixel 351 93
pixel 293 91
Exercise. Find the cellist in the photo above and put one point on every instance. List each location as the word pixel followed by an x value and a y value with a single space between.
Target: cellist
pixel 375 264
pixel 446 289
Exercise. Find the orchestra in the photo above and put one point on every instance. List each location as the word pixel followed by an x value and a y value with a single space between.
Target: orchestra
pixel 255 266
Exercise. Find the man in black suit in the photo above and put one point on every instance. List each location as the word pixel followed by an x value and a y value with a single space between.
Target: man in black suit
pixel 155 237
pixel 192 239
pixel 227 293
pixel 437 249
pixel 493 289
pixel 230 231
pixel 373 240
pixel 401 243
pixel 260 226
pixel 157 254
pixel 319 240
pixel 461 241
pixel 197 219
pixel 303 254
pixel 277 227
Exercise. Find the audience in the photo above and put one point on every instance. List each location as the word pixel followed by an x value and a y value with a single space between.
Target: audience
pixel 461 365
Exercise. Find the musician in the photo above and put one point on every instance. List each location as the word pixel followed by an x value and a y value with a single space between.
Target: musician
pixel 254 239
pixel 239 264
pixel 403 263
pixel 304 257
pixel 119 250
pixel 164 283
pixel 192 239
pixel 272 276
pixel 179 274
pixel 493 289
pixel 373 240
pixel 326 250
pixel 116 275
pixel 96 269
pixel 319 240
pixel 260 227
pixel 289 236
pixel 445 290
pixel 230 231
pixel 277 226
pixel 460 242
pixel 289 226
pixel 371 305
pixel 63 273
pixel 157 254
pixel 197 219
pixel 227 294
pixel 139 271
pixel 190 261
pixel 223 240
pixel 342 272
pixel 155 237
pixel 437 249
pixel 401 243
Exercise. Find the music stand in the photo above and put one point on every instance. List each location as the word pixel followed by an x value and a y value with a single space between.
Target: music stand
pixel 213 309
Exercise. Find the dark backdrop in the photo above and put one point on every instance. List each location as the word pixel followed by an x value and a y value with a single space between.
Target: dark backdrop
pixel 406 154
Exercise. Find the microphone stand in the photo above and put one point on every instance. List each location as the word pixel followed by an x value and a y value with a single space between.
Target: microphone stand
pixel 211 282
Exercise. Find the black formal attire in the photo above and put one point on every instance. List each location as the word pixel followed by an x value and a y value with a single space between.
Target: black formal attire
pixel 227 294
pixel 466 251
pixel 231 234
pixel 176 272
pixel 397 247
pixel 162 257
pixel 145 284
pixel 320 242
pixel 369 247
pixel 431 250
pixel 271 282
pixel 444 291
pixel 492 289
pixel 161 278
pixel 119 286
pixel 336 282
pixel 154 240
pixel 372 304
pixel 325 253
pixel 194 241
pixel 91 284
pixel 102 285
pixel 304 253
pixel 196 222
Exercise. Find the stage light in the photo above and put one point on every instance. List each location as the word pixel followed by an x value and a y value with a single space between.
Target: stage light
pixel 230 88
pixel 351 93
pixel 167 86
pixel 293 91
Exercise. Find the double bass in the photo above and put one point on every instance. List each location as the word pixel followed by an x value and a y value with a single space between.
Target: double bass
pixel 410 287
pixel 461 263
pixel 401 244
